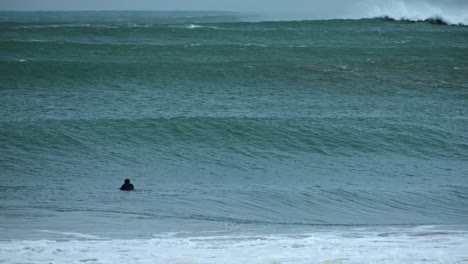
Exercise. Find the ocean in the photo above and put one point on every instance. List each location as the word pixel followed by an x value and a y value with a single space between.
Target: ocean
pixel 248 141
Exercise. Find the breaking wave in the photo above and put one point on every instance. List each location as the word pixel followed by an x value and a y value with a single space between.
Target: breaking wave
pixel 416 11
pixel 433 20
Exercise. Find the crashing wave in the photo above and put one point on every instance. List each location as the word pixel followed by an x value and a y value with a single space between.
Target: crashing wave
pixel 432 20
pixel 415 11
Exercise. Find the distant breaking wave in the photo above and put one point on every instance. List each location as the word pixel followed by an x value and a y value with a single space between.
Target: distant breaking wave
pixel 432 20
pixel 416 11
pixel 398 10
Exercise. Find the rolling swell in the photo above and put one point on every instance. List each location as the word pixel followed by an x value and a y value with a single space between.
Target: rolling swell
pixel 268 205
pixel 248 137
pixel 331 207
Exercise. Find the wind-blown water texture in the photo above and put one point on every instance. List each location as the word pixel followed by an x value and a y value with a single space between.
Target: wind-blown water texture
pixel 224 124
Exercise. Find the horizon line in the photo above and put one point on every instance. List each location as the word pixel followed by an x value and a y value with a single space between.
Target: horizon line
pixel 125 10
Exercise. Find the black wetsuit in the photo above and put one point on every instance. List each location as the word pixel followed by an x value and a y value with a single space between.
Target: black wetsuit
pixel 127 187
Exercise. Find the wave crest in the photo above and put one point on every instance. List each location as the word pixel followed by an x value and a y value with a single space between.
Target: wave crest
pixel 416 11
pixel 432 20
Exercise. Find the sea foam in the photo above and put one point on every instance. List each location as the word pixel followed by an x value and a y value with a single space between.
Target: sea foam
pixel 358 245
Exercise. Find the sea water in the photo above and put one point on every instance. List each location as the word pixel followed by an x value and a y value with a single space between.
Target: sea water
pixel 326 141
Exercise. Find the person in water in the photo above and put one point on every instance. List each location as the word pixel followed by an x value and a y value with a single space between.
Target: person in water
pixel 127 186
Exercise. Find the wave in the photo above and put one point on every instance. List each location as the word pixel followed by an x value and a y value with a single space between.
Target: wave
pixel 327 207
pixel 360 245
pixel 245 137
pixel 437 12
pixel 274 206
pixel 195 26
pixel 74 235
pixel 415 11
pixel 432 20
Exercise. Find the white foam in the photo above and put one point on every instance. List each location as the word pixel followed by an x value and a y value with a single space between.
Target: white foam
pixel 192 45
pixel 192 26
pixel 423 245
pixel 195 26
pixel 71 234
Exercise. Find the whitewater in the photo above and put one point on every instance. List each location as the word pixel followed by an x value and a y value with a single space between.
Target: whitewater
pixel 451 12
pixel 248 141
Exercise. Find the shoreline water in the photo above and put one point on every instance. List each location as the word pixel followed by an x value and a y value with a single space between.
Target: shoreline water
pixel 355 245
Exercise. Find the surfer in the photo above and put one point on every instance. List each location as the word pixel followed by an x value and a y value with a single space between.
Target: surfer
pixel 127 186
